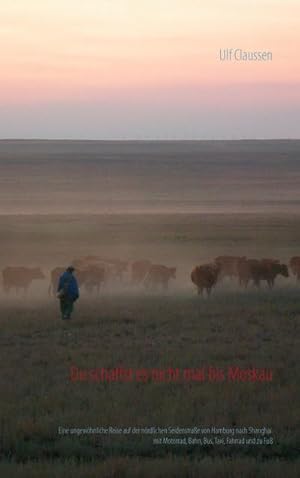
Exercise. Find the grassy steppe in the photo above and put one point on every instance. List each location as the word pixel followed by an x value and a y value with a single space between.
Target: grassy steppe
pixel 259 329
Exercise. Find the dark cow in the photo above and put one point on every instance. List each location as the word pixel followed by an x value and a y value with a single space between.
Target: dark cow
pixel 20 277
pixel 159 275
pixel 261 270
pixel 229 265
pixel 295 266
pixel 205 277
pixel 139 270
pixel 245 271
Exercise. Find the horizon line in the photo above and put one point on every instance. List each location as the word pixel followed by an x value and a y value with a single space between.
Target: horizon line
pixel 145 139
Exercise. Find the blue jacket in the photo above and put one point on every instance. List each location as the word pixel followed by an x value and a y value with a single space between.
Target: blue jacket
pixel 72 290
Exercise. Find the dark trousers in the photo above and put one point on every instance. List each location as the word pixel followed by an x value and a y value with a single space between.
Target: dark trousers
pixel 66 308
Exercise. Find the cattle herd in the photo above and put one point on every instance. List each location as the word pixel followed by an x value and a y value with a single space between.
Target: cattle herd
pixel 93 273
pixel 244 270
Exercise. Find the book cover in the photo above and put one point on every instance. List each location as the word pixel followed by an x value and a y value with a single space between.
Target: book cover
pixel 150 238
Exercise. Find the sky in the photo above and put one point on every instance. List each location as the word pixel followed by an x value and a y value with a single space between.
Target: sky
pixel 148 69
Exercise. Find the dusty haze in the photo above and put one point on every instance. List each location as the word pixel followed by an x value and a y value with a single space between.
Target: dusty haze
pixel 92 177
pixel 173 203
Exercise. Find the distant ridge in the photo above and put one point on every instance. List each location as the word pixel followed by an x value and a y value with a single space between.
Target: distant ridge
pixel 148 140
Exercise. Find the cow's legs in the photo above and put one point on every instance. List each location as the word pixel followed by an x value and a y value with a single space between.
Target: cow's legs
pixel 270 283
pixel 51 288
pixel 257 283
pixel 244 283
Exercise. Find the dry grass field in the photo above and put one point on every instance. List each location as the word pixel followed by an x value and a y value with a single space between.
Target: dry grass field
pixel 131 327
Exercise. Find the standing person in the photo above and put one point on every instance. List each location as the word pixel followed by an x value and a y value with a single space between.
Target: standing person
pixel 67 292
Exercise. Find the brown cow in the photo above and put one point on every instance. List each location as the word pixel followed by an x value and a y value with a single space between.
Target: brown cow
pixel 20 277
pixel 89 277
pixel 54 278
pixel 83 262
pixel 159 275
pixel 270 261
pixel 245 271
pixel 93 277
pixel 115 268
pixel 261 270
pixel 229 265
pixel 295 266
pixel 139 270
pixel 205 277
